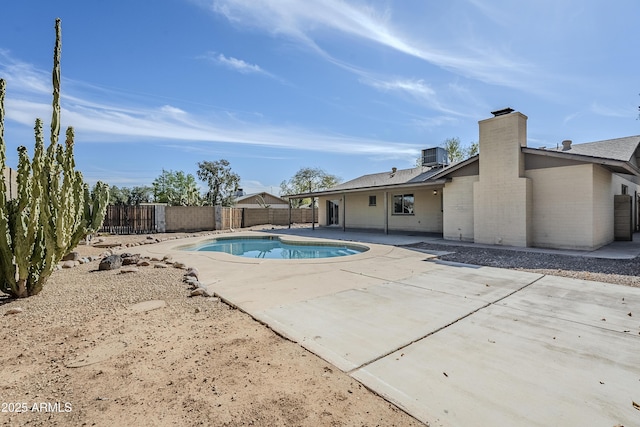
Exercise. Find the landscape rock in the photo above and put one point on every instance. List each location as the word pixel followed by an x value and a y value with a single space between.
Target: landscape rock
pixel 200 292
pixel 112 262
pixel 71 256
pixel 181 265
pixel 167 258
pixel 68 264
pixel 129 270
pixel 192 272
pixel 130 259
pixel 160 265
pixel 14 310
pixel 144 263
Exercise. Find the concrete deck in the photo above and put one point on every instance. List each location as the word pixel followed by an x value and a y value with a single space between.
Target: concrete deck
pixel 451 344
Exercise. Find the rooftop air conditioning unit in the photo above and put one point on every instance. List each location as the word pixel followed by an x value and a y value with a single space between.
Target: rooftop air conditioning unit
pixel 435 157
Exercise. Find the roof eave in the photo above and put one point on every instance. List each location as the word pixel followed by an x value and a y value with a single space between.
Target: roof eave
pixel 612 164
pixel 428 183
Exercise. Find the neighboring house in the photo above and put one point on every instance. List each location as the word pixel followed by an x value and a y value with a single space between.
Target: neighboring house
pixel 577 196
pixel 260 200
pixel 11 182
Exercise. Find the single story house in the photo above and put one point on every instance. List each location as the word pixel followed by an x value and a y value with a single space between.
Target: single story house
pixel 574 196
pixel 259 200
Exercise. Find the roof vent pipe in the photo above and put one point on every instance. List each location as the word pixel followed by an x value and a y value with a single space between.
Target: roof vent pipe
pixel 566 145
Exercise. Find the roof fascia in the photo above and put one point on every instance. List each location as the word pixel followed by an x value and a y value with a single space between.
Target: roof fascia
pixel 610 163
pixel 428 183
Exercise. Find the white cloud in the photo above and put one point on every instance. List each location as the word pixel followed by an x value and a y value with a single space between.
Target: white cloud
pixel 603 110
pixel 98 121
pixel 237 64
pixel 305 21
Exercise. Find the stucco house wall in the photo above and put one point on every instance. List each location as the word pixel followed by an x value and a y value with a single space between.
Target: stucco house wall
pixel 360 215
pixel 428 212
pixel 355 211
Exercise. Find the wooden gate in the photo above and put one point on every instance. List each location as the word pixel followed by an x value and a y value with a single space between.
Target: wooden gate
pixel 232 218
pixel 121 219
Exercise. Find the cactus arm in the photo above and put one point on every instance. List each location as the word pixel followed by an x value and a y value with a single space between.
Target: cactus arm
pixel 22 240
pixel 55 116
pixel 7 269
pixel 54 209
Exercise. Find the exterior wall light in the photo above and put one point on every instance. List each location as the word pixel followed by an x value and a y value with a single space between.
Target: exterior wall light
pixel 435 192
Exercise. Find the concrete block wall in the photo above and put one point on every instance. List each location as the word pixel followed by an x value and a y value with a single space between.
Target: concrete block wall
pixel 603 206
pixel 562 207
pixel 458 209
pixel 189 218
pixel 502 196
pixel 277 216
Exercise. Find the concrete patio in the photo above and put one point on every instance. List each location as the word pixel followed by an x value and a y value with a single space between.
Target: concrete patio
pixel 451 344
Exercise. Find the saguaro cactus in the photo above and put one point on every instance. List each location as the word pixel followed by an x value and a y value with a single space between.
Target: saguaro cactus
pixel 54 208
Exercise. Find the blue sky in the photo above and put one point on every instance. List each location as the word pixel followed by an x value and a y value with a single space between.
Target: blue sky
pixel 352 87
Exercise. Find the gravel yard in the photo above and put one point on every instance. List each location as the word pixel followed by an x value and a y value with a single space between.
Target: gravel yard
pixel 619 271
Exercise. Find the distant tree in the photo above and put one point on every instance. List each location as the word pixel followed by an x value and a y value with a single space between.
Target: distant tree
pixel 119 196
pixel 221 181
pixel 307 180
pixel 140 194
pixel 472 149
pixel 130 196
pixel 176 189
pixel 454 149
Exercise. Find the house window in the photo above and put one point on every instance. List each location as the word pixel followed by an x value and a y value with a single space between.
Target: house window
pixel 372 200
pixel 625 189
pixel 403 204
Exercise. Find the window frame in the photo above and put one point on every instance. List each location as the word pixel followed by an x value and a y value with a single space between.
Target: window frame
pixel 373 199
pixel 407 206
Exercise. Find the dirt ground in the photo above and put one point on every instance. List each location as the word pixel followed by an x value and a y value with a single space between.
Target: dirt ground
pixel 82 353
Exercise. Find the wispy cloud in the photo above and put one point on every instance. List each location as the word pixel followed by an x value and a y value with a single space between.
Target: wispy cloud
pixel 104 121
pixel 417 89
pixel 603 110
pixel 307 21
pixel 236 64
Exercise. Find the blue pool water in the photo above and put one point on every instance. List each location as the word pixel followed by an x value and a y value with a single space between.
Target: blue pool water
pixel 274 248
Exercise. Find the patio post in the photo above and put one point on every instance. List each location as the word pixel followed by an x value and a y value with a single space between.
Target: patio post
pixel 386 212
pixel 289 213
pixel 313 213
pixel 344 212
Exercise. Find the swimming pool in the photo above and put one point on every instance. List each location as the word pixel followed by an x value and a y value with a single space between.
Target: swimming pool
pixel 273 247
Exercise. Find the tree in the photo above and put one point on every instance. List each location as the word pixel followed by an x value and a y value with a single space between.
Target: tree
pixel 472 149
pixel 308 180
pixel 140 194
pixel 119 196
pixel 221 181
pixel 176 189
pixel 454 149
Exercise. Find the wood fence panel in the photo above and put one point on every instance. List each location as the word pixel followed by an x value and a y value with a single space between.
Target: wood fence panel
pixel 121 219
